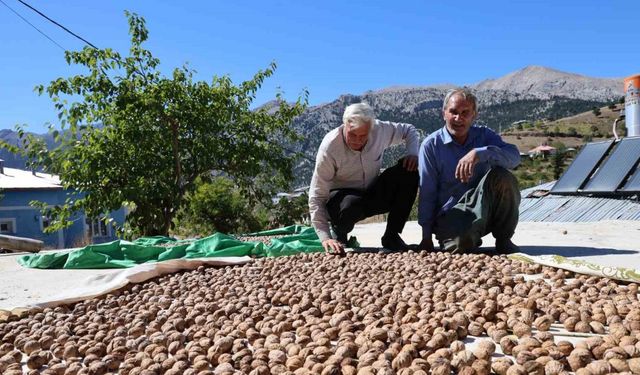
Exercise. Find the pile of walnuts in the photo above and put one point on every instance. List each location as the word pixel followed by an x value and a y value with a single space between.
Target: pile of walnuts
pixel 403 313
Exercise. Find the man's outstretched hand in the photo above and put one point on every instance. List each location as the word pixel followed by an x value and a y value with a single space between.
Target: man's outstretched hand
pixel 332 246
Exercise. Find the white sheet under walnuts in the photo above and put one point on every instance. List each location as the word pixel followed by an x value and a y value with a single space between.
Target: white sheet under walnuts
pixel 406 313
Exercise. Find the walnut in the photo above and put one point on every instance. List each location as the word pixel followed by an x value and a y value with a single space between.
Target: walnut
pixel 481 367
pixel 516 370
pixel 522 329
pixel 501 365
pixel 618 365
pixel 462 359
pixel 579 358
pixel 599 367
pixel 403 360
pixel 553 367
pixel 378 334
pixel 533 367
pixel 507 344
pixel 544 322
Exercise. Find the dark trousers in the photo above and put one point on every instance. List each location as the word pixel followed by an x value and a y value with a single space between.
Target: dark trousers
pixel 491 207
pixel 394 191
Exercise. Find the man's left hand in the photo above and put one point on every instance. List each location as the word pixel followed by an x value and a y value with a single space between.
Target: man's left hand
pixel 466 165
pixel 410 163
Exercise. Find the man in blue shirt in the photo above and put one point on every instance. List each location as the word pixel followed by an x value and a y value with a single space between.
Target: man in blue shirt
pixel 466 190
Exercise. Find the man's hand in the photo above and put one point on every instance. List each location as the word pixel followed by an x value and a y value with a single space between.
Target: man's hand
pixel 410 163
pixel 426 244
pixel 466 165
pixel 332 246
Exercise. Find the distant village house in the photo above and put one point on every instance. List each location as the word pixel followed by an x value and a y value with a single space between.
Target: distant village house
pixel 17 218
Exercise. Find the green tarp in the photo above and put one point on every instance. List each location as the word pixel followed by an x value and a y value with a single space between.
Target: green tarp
pixel 122 254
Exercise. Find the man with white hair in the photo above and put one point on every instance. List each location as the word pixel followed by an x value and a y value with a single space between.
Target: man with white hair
pixel 347 185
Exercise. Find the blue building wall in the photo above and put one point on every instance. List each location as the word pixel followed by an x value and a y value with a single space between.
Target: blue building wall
pixel 28 221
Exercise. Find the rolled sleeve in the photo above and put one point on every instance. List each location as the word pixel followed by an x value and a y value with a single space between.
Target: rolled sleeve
pixel 319 189
pixel 498 152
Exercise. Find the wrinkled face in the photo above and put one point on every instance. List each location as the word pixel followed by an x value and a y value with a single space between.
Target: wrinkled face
pixel 356 135
pixel 459 115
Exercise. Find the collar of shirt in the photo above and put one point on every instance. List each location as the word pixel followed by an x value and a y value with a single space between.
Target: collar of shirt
pixel 446 137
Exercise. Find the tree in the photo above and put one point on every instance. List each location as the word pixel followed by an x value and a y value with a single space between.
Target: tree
pixel 558 162
pixel 294 210
pixel 137 137
pixel 596 111
pixel 572 131
pixel 219 206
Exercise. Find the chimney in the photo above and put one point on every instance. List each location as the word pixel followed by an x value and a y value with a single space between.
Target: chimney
pixel 1 166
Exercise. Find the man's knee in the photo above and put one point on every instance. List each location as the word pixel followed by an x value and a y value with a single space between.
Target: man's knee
pixel 350 203
pixel 502 178
pixel 401 175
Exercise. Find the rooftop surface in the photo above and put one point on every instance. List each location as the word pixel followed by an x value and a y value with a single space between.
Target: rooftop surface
pixel 607 243
pixel 13 178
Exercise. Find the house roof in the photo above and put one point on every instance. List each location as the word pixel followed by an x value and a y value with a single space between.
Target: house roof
pixel 20 179
pixel 542 148
pixel 538 205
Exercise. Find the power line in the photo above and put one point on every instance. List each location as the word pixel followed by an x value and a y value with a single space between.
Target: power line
pixel 30 24
pixel 57 24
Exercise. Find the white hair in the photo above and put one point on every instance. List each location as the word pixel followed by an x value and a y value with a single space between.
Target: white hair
pixel 358 114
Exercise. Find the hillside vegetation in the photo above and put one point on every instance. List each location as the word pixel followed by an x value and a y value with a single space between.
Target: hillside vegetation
pixel 573 131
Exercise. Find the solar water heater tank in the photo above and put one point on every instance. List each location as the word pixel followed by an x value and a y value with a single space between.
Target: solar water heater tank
pixel 632 105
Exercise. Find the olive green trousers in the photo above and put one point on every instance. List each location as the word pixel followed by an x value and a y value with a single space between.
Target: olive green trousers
pixel 491 207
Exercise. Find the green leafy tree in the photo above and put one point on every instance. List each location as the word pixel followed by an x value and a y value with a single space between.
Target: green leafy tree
pixel 558 160
pixel 596 111
pixel 288 211
pixel 219 206
pixel 134 136
pixel 572 131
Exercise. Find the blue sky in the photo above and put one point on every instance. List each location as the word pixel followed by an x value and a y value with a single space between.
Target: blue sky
pixel 328 47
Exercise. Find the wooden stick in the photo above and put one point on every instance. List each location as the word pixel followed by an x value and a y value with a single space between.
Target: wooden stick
pixel 20 244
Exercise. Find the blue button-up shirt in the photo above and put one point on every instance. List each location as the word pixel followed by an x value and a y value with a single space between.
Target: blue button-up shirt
pixel 438 158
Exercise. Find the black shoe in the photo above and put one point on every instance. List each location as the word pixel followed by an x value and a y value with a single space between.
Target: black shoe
pixel 505 246
pixel 394 242
pixel 341 236
pixel 460 244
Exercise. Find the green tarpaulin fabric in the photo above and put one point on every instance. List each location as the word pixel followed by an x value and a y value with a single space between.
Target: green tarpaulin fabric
pixel 122 254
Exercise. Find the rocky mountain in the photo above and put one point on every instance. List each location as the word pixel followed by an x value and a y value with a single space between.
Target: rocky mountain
pixel 12 160
pixel 532 93
pixel 545 83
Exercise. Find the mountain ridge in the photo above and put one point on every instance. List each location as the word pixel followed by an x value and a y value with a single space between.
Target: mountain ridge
pixel 531 93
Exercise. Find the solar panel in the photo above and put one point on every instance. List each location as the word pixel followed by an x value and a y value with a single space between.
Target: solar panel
pixel 616 168
pixel 633 185
pixel 581 168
